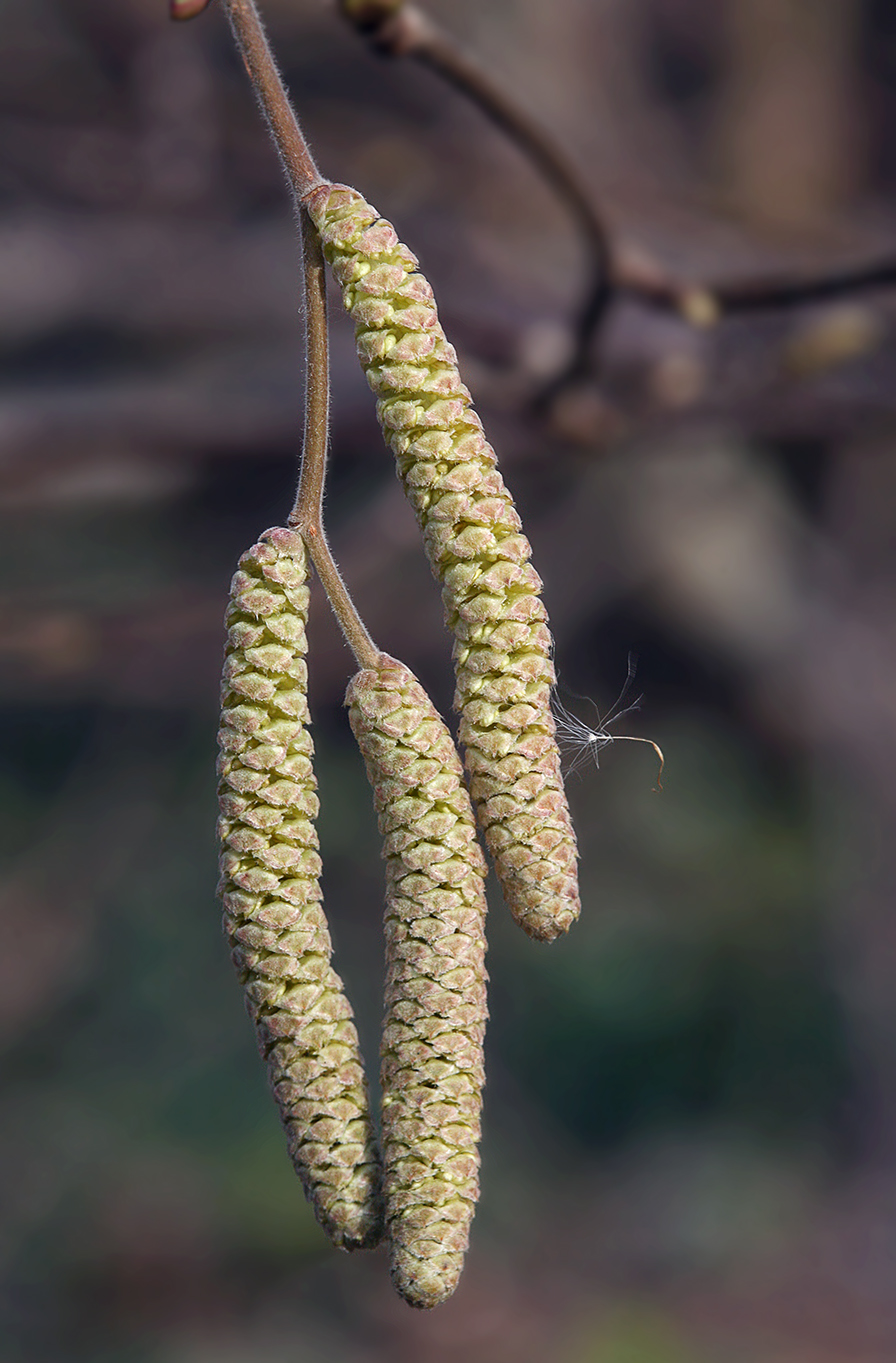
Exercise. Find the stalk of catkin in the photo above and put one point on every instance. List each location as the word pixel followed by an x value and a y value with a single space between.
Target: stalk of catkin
pixel 270 889
pixel 472 535
pixel 432 1064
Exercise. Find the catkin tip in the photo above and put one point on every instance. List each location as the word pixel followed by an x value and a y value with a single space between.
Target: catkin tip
pixel 546 927
pixel 424 1283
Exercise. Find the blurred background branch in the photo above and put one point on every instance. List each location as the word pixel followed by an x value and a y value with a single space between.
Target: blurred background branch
pixel 398 29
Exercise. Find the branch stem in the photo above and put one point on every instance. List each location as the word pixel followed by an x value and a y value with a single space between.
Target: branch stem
pixel 303 175
pixel 309 501
pixel 307 512
pixel 250 37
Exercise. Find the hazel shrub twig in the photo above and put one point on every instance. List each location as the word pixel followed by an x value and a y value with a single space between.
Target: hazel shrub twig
pixel 251 40
pixel 307 511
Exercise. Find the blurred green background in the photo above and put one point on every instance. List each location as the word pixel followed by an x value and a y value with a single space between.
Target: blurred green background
pixel 689 1152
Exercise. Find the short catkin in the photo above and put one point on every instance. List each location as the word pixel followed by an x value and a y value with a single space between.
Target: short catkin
pixel 432 1062
pixel 270 889
pixel 472 535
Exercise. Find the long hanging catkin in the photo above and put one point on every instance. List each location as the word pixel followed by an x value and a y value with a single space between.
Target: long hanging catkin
pixel 432 1064
pixel 270 889
pixel 473 538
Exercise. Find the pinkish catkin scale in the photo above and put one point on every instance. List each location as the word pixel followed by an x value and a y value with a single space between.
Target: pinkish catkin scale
pixel 472 535
pixel 270 890
pixel 432 1062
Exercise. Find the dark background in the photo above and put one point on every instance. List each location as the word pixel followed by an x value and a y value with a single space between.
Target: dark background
pixel 690 1126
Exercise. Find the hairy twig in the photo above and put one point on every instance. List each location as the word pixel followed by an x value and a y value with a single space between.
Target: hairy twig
pixel 249 34
pixel 307 512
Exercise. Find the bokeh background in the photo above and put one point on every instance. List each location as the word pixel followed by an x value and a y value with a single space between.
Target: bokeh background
pixel 690 1129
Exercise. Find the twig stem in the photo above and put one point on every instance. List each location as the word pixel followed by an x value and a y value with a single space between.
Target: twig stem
pixel 309 501
pixel 248 31
pixel 307 513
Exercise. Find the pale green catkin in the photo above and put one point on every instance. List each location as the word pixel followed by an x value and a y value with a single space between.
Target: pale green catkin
pixel 432 1063
pixel 270 871
pixel 472 535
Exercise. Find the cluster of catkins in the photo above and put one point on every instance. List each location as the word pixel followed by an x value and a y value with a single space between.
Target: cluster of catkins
pixel 420 1191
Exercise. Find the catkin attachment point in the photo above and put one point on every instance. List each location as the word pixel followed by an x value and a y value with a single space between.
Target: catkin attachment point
pixel 432 1058
pixel 270 890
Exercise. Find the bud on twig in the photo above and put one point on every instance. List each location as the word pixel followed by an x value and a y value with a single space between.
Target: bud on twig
pixel 270 889
pixel 472 535
pixel 186 9
pixel 432 1065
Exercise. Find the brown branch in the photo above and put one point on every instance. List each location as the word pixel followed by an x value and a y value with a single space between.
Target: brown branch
pixel 309 503
pixel 307 513
pixel 267 83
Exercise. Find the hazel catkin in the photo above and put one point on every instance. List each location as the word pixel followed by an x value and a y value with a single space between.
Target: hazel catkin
pixel 270 890
pixel 432 1060
pixel 472 536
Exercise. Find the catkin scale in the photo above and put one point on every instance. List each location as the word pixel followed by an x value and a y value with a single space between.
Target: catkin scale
pixel 270 890
pixel 432 1060
pixel 473 538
